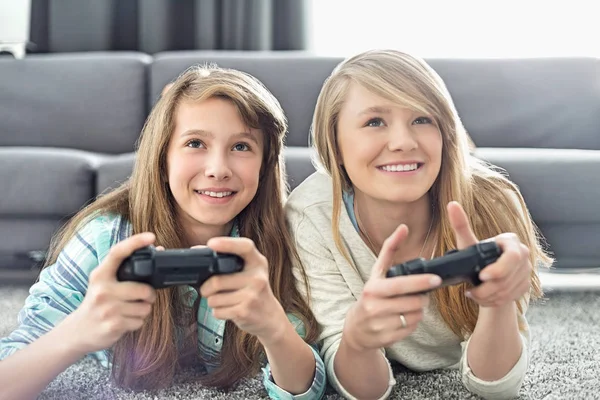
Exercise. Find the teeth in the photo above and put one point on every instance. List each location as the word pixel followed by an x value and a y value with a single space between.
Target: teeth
pixel 215 194
pixel 400 167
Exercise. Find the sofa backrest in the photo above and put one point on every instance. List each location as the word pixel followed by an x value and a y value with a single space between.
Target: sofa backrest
pixel 87 101
pixel 548 103
pixel 294 78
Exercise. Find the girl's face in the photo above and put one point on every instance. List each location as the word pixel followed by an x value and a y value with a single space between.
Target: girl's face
pixel 213 162
pixel 390 153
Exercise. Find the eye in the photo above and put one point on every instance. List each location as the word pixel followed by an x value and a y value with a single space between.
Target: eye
pixel 375 122
pixel 422 120
pixel 195 144
pixel 241 147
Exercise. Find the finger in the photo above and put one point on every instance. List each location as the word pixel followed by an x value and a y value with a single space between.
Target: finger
pixel 160 248
pixel 484 291
pixel 243 247
pixel 135 309
pixel 107 270
pixel 199 246
pixel 403 285
pixel 506 264
pixel 133 324
pixel 461 226
pixel 223 300
pixel 513 291
pixel 393 322
pixel 231 313
pixel 404 304
pixel 224 283
pixel 389 248
pixel 134 291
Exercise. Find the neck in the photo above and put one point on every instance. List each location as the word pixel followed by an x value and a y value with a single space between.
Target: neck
pixel 378 219
pixel 199 234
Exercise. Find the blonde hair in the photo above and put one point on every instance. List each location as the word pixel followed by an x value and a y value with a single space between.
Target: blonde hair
pixel 148 358
pixel 492 202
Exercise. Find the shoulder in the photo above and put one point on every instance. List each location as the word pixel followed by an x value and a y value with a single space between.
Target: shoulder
pixel 312 200
pixel 98 234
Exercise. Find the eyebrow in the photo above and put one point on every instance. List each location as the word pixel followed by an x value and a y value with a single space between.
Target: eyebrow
pixel 210 135
pixel 376 110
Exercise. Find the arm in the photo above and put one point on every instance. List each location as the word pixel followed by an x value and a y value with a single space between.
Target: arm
pixel 486 346
pixel 44 360
pixel 331 299
pixel 36 346
pixel 304 376
pixel 247 300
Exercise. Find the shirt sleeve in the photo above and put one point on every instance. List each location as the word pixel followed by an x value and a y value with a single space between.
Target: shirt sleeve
pixel 61 287
pixel 330 297
pixel 317 388
pixel 508 386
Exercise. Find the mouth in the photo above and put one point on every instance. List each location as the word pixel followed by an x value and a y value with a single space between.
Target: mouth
pixel 407 167
pixel 215 195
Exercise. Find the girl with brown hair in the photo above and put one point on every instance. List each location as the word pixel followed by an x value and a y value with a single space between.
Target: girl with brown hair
pixel 209 171
pixel 393 157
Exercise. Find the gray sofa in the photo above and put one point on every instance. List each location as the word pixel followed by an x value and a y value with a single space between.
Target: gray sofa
pixel 69 122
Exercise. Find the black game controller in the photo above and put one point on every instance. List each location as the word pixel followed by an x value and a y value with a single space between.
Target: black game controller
pixel 173 267
pixel 455 266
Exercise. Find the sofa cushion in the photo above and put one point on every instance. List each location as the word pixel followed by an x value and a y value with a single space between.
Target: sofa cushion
pixel 86 101
pixel 45 182
pixel 295 79
pixel 24 234
pixel 561 189
pixel 112 171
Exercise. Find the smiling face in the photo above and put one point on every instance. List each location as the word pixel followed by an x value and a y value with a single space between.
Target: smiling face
pixel 389 152
pixel 214 163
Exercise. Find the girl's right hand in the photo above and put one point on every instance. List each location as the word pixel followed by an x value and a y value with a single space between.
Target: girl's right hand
pixel 389 309
pixel 111 308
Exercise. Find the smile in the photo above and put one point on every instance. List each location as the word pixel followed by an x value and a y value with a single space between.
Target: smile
pixel 214 194
pixel 401 167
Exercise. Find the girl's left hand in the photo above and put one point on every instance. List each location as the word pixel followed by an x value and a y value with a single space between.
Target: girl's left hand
pixel 504 281
pixel 245 297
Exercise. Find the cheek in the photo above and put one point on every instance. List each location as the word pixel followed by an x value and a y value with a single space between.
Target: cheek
pixel 249 172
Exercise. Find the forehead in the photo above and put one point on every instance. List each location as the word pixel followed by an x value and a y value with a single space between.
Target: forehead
pixel 358 98
pixel 212 118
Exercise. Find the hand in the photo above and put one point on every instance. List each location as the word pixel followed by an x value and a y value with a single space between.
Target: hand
pixel 375 320
pixel 111 308
pixel 504 281
pixel 245 297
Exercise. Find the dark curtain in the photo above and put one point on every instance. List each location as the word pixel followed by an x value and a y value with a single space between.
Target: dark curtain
pixel 151 26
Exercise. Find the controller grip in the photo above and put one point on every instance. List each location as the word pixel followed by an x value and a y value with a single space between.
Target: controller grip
pixel 229 263
pixel 138 267
pixel 416 266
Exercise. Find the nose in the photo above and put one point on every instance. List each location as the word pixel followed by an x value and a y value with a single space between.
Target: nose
pixel 402 138
pixel 217 167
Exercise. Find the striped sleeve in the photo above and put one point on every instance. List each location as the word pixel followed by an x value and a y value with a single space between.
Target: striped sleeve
pixel 62 286
pixel 317 388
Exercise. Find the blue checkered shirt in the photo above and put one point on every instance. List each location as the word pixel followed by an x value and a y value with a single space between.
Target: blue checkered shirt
pixel 62 287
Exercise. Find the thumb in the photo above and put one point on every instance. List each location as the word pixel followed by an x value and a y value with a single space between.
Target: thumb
pixel 389 248
pixel 461 226
pixel 107 270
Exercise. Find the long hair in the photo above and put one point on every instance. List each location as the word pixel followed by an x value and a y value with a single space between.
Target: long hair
pixel 491 201
pixel 149 357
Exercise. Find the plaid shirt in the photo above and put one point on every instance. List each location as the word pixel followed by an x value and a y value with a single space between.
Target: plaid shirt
pixel 62 287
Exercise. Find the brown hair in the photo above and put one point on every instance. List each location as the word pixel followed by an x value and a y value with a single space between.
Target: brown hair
pixel 146 201
pixel 492 202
